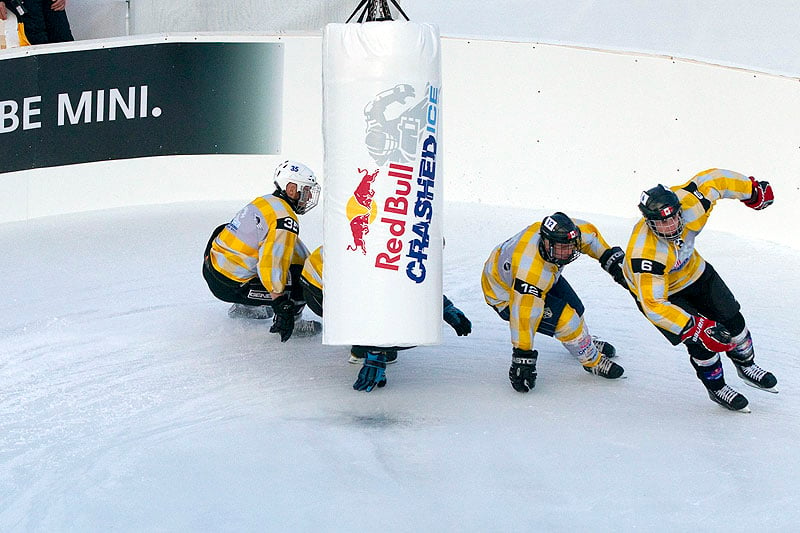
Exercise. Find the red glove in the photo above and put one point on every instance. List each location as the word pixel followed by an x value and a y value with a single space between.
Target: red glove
pixel 714 337
pixel 762 195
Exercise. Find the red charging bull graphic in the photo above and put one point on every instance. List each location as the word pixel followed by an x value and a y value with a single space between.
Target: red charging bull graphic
pixel 361 210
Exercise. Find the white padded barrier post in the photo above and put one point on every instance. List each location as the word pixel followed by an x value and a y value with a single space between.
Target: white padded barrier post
pixel 382 189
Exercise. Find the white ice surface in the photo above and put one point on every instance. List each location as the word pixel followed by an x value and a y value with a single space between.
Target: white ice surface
pixel 130 402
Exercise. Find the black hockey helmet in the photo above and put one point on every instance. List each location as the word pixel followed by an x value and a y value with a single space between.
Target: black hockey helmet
pixel 662 211
pixel 559 239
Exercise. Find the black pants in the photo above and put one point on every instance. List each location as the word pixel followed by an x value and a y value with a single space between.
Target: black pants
pixel 559 296
pixel 251 292
pixel 312 295
pixel 710 297
pixel 43 25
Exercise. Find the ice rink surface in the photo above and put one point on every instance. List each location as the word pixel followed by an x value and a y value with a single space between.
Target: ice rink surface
pixel 129 401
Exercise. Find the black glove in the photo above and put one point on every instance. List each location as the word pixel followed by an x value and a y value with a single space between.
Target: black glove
pixel 372 373
pixel 762 196
pixel 456 318
pixel 523 369
pixel 284 317
pixel 611 261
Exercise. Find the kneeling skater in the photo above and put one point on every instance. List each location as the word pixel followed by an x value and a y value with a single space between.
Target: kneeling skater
pixel 522 282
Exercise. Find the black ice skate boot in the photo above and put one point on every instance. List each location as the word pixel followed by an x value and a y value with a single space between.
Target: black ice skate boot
pixel 710 373
pixel 757 377
pixel 604 347
pixel 306 328
pixel 743 359
pixel 729 399
pixel 605 368
pixel 303 327
pixel 593 354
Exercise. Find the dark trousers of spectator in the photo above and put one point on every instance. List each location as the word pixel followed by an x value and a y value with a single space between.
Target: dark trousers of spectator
pixel 43 25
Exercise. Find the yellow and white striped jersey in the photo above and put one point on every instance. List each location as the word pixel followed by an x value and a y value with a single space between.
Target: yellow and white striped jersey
pixel 261 240
pixel 656 268
pixel 312 269
pixel 516 276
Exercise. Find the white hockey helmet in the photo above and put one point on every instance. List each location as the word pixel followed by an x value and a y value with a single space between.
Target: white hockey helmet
pixel 306 182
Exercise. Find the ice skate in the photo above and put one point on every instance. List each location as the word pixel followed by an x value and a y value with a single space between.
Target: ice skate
pixel 729 399
pixel 306 328
pixel 604 347
pixel 357 356
pixel 605 368
pixel 258 312
pixel 757 377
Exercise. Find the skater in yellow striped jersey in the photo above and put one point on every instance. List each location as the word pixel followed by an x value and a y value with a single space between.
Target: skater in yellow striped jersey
pixel 255 260
pixel 682 294
pixel 522 281
pixel 373 358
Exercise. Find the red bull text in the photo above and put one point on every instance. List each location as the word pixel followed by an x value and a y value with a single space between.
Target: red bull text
pixel 410 205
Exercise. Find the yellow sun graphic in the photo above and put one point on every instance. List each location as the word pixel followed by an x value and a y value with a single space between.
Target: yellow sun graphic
pixel 353 209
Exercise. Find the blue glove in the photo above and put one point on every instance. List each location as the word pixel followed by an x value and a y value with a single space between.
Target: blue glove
pixel 456 318
pixel 372 373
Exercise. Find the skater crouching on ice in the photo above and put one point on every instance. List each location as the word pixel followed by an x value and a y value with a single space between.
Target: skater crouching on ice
pixel 522 282
pixel 255 260
pixel 682 294
pixel 373 358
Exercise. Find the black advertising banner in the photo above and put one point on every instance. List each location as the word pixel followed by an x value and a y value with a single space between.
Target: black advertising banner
pixel 139 101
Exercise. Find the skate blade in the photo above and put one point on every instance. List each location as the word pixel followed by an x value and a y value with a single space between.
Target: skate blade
pixel 353 360
pixel 312 330
pixel 249 315
pixel 745 409
pixel 773 390
pixel 305 334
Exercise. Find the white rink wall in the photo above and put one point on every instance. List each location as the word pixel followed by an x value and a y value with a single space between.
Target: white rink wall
pixel 525 124
pixel 586 130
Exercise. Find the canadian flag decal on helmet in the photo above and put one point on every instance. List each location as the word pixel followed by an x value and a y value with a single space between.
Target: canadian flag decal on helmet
pixel 551 224
pixel 667 211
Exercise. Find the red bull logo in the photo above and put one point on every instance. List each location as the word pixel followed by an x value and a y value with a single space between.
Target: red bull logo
pixel 361 210
pixel 407 205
